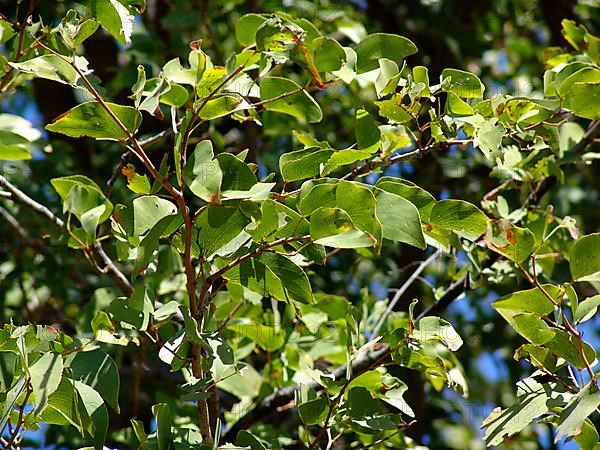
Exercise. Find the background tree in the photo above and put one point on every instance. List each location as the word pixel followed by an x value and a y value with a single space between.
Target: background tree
pixel 216 216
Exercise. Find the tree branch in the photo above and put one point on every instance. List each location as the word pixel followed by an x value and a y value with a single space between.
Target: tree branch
pixel 402 290
pixel 113 271
pixel 372 165
pixel 592 133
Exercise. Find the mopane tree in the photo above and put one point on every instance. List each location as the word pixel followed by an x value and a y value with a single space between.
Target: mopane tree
pixel 246 225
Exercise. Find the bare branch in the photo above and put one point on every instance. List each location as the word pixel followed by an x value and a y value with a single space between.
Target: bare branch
pixel 372 165
pixel 400 292
pixel 20 197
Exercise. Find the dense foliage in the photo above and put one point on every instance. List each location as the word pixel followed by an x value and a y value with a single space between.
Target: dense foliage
pixel 239 225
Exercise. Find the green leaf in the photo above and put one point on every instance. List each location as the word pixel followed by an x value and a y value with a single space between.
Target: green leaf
pixel 96 411
pixel 273 274
pixel 333 227
pixel 140 433
pixel 115 18
pixel 268 338
pixel 175 73
pixel 147 211
pixel 579 408
pixel 277 221
pixel 584 258
pixel 91 119
pixel 275 36
pixel 421 75
pixel 391 110
pixel 388 78
pixel 588 74
pixel 292 277
pixel 202 173
pixel 218 226
pixel 532 328
pixel 456 107
pixel 568 347
pixel 361 403
pixel 101 322
pixel 316 194
pixel 344 157
pixel 222 105
pixel 6 31
pixel 210 81
pixel 287 97
pixel 314 411
pixel 50 67
pixel 74 31
pixel 166 311
pixel 237 176
pixel 136 310
pixel 63 406
pixel 529 301
pixel 511 241
pixel 246 27
pixel 152 91
pixel 16 137
pixel 137 89
pixel 149 243
pixel 533 398
pixel 463 84
pixel 419 197
pixel 381 45
pixel 177 96
pixel 80 195
pixel 434 328
pixel 249 440
pixel 13 152
pixel 584 100
pixel 162 414
pixel 460 217
pixel 399 219
pixel 488 138
pixel 367 133
pixel 327 54
pixel 359 202
pixel 140 184
pixel 45 374
pixel 588 437
pixel 16 125
pixel 303 164
pixel 573 33
pixel 98 370
pixel 257 193
pixel 395 397
pixel 587 309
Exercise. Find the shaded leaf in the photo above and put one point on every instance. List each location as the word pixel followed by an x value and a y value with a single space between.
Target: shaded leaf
pixel 98 370
pixel 287 97
pixel 45 375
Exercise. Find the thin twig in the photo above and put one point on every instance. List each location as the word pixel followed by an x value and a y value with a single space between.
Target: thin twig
pixel 20 197
pixel 125 157
pixel 417 153
pixel 254 253
pixel 400 292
